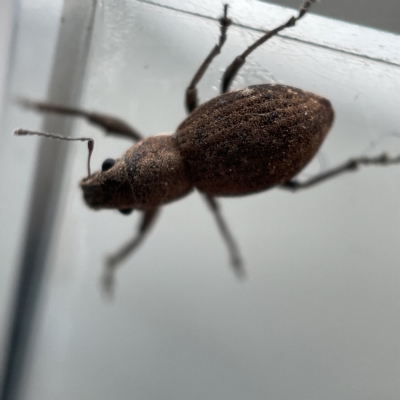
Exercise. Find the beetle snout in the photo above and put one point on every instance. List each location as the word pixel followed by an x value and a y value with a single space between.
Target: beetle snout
pixel 108 189
pixel 93 192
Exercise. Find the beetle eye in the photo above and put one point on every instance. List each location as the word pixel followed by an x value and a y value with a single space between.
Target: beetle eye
pixel 126 211
pixel 107 164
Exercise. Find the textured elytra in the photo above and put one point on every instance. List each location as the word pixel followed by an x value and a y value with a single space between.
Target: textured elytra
pixel 251 139
pixel 150 173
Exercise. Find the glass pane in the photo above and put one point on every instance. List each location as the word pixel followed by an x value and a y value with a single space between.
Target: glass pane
pixel 31 58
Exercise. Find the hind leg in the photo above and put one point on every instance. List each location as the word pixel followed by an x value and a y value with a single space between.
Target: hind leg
pixel 191 100
pixel 348 166
pixel 238 62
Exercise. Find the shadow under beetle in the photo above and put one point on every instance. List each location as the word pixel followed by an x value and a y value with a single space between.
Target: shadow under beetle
pixel 238 143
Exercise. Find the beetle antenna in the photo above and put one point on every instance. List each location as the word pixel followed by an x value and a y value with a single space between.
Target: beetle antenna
pixel 26 132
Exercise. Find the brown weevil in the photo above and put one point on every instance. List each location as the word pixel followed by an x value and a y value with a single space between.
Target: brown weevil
pixel 238 143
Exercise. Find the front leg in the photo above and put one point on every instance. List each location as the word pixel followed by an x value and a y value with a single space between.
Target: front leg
pixel 111 125
pixel 114 260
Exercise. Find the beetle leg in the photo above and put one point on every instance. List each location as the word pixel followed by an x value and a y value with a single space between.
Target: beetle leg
pixel 237 63
pixel 191 91
pixel 233 249
pixel 348 166
pixel 112 261
pixel 111 125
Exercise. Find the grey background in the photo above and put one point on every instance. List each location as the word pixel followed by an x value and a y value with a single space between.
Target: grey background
pixel 379 14
pixel 318 316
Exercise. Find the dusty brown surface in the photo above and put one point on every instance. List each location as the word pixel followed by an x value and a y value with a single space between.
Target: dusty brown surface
pixel 248 140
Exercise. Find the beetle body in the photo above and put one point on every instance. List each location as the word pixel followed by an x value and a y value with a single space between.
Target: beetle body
pixel 252 139
pixel 238 143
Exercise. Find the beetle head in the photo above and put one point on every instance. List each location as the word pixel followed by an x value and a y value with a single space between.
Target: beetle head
pixel 109 188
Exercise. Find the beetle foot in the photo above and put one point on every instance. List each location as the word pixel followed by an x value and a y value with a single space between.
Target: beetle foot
pixel 108 282
pixel 238 268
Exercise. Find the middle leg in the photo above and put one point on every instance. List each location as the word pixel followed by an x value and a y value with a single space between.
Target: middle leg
pixel 236 259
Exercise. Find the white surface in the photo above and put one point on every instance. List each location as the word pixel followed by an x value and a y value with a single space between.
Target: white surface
pixel 6 19
pixel 318 316
pixel 355 39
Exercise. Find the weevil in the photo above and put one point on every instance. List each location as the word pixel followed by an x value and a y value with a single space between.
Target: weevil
pixel 241 142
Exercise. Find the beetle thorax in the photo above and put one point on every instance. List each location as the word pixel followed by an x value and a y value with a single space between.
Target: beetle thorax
pixel 149 174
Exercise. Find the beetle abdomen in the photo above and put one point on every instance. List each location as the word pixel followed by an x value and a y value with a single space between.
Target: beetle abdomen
pixel 251 139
